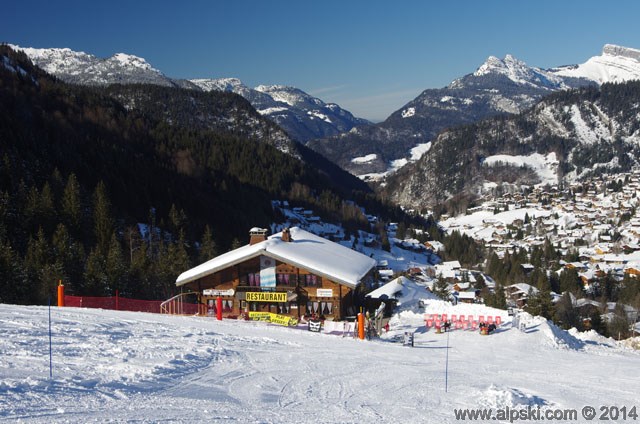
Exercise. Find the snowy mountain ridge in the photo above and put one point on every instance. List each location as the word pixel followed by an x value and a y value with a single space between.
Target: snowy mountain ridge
pixel 565 138
pixel 302 116
pixel 615 64
pixel 497 87
pixel 86 69
pixel 520 73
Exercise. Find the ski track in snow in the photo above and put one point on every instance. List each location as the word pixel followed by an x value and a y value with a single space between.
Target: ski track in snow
pixel 135 367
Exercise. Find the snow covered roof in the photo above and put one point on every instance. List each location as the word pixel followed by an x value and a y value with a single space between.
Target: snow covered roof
pixel 306 250
pixel 389 290
pixel 522 288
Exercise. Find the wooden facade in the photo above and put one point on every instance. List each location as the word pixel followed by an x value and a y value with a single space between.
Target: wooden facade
pixel 293 273
pixel 308 293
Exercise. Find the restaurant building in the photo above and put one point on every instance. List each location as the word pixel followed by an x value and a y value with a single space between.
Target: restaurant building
pixel 293 273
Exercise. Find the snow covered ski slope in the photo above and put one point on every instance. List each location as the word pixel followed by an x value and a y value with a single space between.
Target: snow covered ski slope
pixel 113 366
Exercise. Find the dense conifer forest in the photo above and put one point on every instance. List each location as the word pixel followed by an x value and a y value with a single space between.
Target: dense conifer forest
pixel 108 196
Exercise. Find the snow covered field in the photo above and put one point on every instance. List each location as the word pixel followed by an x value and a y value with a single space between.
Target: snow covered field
pixel 113 366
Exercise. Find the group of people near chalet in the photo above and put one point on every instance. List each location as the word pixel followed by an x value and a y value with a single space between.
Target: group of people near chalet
pixel 487 328
pixel 484 327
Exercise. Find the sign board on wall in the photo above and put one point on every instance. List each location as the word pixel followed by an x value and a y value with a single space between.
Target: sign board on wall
pixel 214 292
pixel 275 297
pixel 324 293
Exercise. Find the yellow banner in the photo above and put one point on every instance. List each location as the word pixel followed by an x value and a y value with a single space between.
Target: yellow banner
pixel 277 297
pixel 260 316
pixel 280 319
pixel 273 318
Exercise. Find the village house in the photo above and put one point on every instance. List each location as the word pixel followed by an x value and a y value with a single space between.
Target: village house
pixel 517 294
pixel 293 273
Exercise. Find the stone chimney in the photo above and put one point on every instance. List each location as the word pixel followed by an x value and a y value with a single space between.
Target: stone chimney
pixel 286 235
pixel 256 235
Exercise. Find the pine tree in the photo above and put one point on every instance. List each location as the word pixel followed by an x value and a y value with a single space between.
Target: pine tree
pixel 441 288
pixel 235 243
pixel 540 303
pixel 598 324
pixel 102 219
pixel 13 281
pixel 208 248
pixel 43 274
pixel 46 209
pixel 565 314
pixel 570 280
pixel 143 273
pixel 500 297
pixel 479 283
pixel 71 206
pixel 619 326
pixel 95 274
pixel 115 268
pixel 178 222
pixel 401 231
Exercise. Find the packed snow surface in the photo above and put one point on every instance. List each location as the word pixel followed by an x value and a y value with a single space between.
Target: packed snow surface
pixel 134 367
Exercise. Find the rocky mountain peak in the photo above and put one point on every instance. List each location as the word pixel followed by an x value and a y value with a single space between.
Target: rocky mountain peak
pixel 619 51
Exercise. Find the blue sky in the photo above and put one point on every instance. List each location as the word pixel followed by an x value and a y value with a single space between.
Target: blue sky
pixel 371 57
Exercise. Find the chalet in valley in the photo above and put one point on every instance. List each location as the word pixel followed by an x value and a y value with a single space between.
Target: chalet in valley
pixel 294 273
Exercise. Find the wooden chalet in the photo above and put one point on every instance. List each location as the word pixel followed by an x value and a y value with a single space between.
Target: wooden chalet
pixel 294 273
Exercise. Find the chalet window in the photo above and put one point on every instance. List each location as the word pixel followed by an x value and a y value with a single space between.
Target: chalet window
pixel 311 280
pixel 283 308
pixel 253 279
pixel 288 280
pixel 320 308
pixel 227 305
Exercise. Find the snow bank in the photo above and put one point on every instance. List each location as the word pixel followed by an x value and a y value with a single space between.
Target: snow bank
pixel 501 397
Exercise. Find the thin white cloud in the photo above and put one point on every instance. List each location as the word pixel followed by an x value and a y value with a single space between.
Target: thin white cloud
pixel 324 90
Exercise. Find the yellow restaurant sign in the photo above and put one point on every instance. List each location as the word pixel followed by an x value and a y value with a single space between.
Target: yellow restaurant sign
pixel 266 297
pixel 273 318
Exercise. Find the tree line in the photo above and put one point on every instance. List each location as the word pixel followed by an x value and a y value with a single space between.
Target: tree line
pixel 108 197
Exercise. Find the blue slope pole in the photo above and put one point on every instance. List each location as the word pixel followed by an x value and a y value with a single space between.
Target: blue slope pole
pixel 446 368
pixel 50 355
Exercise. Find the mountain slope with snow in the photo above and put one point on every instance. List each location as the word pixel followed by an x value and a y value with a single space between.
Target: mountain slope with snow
pixel 303 116
pixel 567 136
pixel 85 69
pixel 615 64
pixel 497 87
pixel 126 366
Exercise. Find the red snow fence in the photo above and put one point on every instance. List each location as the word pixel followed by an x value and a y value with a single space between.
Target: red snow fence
pixel 114 302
